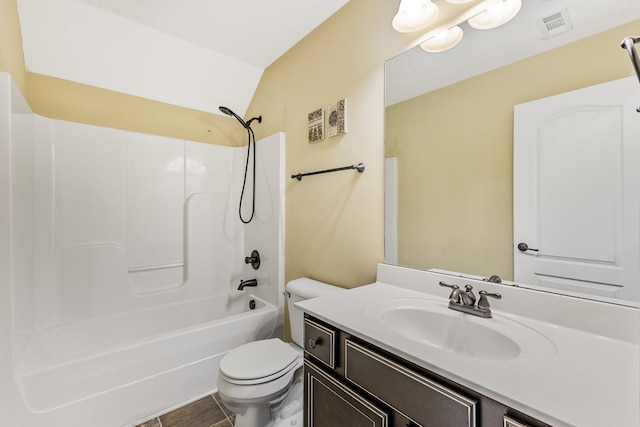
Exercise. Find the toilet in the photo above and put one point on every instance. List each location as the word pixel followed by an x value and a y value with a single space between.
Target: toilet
pixel 261 381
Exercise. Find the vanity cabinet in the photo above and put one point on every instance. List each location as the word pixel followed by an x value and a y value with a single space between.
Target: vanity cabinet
pixel 334 404
pixel 349 382
pixel 406 390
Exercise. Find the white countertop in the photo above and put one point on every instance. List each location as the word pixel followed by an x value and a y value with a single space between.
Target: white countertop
pixel 587 379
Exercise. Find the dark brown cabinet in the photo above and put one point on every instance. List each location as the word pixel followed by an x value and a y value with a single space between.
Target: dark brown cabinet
pixel 328 403
pixel 349 382
pixel 425 401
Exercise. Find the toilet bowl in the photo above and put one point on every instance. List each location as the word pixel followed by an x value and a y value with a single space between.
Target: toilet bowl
pixel 261 381
pixel 256 377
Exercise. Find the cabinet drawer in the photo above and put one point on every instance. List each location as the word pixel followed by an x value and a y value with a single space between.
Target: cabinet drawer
pixel 417 397
pixel 320 342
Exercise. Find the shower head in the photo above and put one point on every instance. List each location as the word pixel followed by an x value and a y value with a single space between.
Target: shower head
pixel 229 112
pixel 226 110
pixel 246 125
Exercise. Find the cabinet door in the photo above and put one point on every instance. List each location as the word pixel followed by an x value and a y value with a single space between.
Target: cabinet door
pixel 417 397
pixel 329 403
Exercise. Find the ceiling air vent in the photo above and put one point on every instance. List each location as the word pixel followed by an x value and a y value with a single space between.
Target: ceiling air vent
pixel 555 23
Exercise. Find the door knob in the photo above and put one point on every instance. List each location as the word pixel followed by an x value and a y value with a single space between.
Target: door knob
pixel 523 247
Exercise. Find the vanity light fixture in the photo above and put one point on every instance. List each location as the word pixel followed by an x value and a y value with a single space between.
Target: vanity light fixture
pixel 414 15
pixel 445 32
pixel 443 40
pixel 496 15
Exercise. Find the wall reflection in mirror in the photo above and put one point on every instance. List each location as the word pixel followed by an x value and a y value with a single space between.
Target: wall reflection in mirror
pixel 450 150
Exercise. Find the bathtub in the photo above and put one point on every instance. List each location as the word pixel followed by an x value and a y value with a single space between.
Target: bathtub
pixel 109 312
pixel 120 370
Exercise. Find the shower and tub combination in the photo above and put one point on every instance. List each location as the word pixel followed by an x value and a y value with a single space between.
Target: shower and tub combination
pixel 121 258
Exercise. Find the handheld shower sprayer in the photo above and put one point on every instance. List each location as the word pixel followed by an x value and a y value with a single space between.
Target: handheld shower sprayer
pixel 252 137
pixel 246 125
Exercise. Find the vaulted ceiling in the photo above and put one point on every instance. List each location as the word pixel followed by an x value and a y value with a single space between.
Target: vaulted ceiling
pixel 197 54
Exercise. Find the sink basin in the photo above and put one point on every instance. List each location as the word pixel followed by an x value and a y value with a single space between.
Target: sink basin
pixel 432 323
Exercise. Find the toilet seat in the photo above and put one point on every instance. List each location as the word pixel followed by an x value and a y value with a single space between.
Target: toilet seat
pixel 259 362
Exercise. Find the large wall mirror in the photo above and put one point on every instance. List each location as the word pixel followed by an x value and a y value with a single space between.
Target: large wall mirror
pixel 450 132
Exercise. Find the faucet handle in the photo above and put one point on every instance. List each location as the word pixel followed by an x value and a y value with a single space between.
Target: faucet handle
pixel 483 304
pixel 455 291
pixel 446 285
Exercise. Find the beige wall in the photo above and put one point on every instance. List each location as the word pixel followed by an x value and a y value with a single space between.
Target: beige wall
pixel 454 149
pixel 334 222
pixel 66 100
pixel 11 57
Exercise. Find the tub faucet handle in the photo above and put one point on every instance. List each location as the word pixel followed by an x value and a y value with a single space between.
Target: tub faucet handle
pixel 254 259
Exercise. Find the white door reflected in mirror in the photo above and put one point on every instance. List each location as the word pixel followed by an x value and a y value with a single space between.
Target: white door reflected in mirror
pixel 577 191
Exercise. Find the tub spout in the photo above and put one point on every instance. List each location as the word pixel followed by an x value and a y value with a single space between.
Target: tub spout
pixel 245 283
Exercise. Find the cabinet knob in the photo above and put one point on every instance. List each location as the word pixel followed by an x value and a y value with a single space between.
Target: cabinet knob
pixel 314 342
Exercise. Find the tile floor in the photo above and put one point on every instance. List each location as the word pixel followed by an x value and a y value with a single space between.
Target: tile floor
pixel 206 412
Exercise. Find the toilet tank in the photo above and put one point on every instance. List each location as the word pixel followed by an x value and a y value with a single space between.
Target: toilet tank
pixel 300 290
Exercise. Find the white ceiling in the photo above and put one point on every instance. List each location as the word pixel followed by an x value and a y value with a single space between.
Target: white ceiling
pixel 253 31
pixel 194 53
pixel 204 53
pixel 417 72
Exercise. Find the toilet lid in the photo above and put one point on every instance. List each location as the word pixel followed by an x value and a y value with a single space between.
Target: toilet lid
pixel 258 359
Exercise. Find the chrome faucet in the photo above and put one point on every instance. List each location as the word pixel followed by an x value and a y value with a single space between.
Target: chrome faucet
pixel 465 301
pixel 245 283
pixel 467 297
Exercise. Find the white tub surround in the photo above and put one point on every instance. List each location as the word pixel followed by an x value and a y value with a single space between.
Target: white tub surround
pixel 586 373
pixel 121 254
